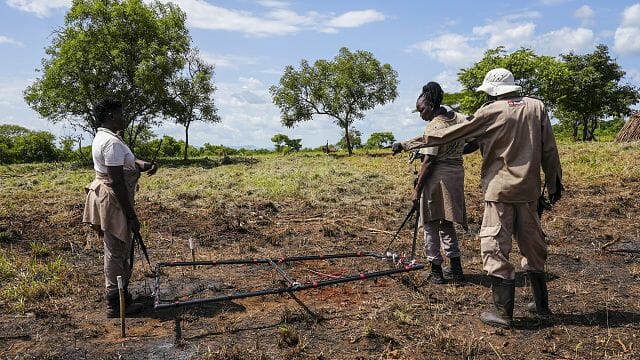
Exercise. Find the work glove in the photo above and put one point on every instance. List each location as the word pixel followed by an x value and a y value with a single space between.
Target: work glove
pixel 396 147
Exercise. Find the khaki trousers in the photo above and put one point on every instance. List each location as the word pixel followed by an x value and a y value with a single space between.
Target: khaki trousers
pixel 116 261
pixel 437 234
pixel 503 222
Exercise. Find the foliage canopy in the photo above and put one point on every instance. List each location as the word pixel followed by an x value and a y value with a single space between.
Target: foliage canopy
pixel 342 88
pixel 121 49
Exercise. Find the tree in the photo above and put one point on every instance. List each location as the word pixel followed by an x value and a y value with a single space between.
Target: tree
pixel 13 130
pixel 354 140
pixel 192 92
pixel 294 144
pixel 36 146
pixel 538 76
pixel 378 140
pixel 592 91
pixel 121 49
pixel 279 140
pixel 284 144
pixel 342 89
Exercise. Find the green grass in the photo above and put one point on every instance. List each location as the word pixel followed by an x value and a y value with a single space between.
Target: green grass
pixel 29 282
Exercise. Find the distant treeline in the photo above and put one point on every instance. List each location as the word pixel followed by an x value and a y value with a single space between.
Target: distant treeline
pixel 21 145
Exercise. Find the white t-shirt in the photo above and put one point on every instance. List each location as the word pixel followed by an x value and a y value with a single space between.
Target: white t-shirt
pixel 108 149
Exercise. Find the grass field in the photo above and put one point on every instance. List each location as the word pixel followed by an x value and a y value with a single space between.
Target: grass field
pixel 269 205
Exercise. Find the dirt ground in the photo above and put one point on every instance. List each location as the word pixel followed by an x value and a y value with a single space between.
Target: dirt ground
pixel 593 267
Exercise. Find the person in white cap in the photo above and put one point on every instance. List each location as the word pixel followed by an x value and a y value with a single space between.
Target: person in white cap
pixel 515 138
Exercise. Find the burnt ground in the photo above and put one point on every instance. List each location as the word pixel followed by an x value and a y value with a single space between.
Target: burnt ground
pixel 593 267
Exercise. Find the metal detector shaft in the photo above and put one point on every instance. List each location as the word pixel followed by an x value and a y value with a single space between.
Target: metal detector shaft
pixel 138 238
pixel 415 236
pixel 316 284
pixel 266 261
pixel 406 218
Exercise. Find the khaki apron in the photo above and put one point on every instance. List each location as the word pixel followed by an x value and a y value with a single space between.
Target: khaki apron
pixel 103 211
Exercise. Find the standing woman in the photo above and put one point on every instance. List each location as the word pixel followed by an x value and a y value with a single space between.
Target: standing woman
pixel 440 188
pixel 110 199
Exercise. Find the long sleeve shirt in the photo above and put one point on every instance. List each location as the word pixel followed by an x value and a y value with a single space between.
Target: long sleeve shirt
pixel 515 139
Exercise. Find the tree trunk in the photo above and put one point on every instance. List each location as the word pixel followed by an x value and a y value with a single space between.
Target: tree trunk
pixel 592 130
pixel 186 141
pixel 585 129
pixel 574 126
pixel 348 139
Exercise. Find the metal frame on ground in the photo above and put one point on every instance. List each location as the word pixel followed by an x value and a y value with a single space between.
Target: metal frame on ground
pixel 400 265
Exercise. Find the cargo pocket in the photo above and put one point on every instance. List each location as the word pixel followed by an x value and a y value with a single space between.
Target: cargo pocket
pixel 488 242
pixel 489 231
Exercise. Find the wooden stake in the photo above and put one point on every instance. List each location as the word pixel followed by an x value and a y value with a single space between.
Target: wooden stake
pixel 122 305
pixel 192 246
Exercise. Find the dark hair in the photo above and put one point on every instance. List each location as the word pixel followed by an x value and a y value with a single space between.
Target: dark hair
pixel 432 93
pixel 104 108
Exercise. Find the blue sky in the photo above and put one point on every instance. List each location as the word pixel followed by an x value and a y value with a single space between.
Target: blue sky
pixel 251 41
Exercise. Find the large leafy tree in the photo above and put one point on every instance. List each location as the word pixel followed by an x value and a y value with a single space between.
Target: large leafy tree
pixel 354 140
pixel 122 49
pixel 592 91
pixel 538 75
pixel 342 88
pixel 378 140
pixel 192 93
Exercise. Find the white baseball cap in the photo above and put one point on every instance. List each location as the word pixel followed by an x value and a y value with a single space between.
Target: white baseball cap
pixel 499 81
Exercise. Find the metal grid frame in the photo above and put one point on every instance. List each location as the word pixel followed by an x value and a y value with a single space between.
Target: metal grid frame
pixel 400 265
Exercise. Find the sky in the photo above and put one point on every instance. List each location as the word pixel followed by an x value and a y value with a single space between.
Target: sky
pixel 250 42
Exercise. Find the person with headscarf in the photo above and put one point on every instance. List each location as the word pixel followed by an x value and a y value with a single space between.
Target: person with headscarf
pixel 515 138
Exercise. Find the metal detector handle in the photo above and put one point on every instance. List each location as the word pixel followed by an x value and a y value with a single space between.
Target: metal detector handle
pixel 406 218
pixel 138 238
pixel 415 235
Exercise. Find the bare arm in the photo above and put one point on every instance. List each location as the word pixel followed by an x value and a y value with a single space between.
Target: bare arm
pixel 116 179
pixel 149 167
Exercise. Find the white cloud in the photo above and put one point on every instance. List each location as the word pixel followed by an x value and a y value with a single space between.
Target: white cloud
pixel 41 8
pixel 355 18
pixel 506 33
pixel 627 35
pixel 277 22
pixel 10 41
pixel 528 14
pixel 631 16
pixel 585 13
pixel 565 40
pixel 450 49
pixel 273 3
pixel 449 81
pixel 228 60
pixel 553 2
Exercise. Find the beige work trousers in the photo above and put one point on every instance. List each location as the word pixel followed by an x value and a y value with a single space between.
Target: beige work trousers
pixel 116 261
pixel 503 222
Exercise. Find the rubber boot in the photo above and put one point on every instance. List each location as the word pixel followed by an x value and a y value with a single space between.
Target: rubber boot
pixel 113 304
pixel 437 277
pixel 503 298
pixel 540 295
pixel 455 271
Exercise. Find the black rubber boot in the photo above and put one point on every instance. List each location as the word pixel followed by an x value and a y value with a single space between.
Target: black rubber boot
pixel 503 297
pixel 540 295
pixel 113 304
pixel 455 271
pixel 437 277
